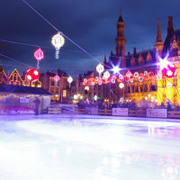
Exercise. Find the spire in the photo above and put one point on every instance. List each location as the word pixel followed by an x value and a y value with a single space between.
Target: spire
pixel 159 37
pixel 170 29
pixel 105 61
pixel 120 19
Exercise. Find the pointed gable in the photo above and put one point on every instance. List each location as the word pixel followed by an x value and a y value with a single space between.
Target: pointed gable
pixel 3 76
pixel 133 61
pixel 149 57
pixel 140 59
pixel 15 78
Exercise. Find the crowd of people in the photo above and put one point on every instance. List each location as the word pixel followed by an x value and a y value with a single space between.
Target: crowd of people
pixel 131 105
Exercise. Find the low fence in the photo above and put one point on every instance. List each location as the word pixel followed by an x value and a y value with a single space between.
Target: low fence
pixel 121 112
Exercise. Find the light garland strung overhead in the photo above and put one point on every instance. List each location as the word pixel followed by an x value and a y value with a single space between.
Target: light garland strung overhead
pixel 57 41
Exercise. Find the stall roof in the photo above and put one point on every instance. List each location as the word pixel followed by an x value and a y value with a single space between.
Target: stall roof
pixel 4 88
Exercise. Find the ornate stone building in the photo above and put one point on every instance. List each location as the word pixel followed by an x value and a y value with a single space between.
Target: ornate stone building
pixel 158 89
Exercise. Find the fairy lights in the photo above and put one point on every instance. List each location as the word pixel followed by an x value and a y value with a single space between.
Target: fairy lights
pixel 57 41
pixel 99 69
pixel 127 77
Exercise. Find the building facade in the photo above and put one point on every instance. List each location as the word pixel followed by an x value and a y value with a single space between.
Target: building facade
pixel 59 89
pixel 146 84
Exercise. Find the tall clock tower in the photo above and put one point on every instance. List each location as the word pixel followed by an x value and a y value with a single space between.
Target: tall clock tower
pixel 120 41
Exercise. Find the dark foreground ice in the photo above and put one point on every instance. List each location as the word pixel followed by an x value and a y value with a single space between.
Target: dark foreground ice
pixel 55 147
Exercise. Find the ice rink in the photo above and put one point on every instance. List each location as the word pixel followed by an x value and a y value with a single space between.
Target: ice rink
pixel 56 147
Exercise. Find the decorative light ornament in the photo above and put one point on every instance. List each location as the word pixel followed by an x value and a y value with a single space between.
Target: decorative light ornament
pixel 100 82
pixel 136 74
pixel 145 73
pixel 170 71
pixel 56 79
pixel 32 75
pixel 99 69
pixel 121 85
pixel 131 80
pixel 85 80
pixel 140 79
pixel 106 75
pixel 113 81
pixel 70 80
pixel 75 97
pixel 86 88
pixel 121 76
pixel 97 78
pixel 38 55
pixel 93 83
pixel 128 74
pixel 57 41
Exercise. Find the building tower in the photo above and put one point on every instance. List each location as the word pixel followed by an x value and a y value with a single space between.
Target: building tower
pixel 170 34
pixel 158 44
pixel 120 41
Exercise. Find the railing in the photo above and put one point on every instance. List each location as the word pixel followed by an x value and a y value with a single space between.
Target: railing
pixel 107 112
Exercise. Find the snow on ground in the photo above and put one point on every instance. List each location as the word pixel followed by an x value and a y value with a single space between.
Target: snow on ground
pixel 74 147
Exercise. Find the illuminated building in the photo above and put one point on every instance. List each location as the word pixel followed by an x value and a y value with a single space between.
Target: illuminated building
pixel 151 91
pixel 60 89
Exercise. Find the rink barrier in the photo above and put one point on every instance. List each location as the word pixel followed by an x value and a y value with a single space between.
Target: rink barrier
pixel 108 112
pixel 54 110
pixel 173 114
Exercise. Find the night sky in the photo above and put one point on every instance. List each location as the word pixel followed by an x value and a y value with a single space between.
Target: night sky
pixel 90 23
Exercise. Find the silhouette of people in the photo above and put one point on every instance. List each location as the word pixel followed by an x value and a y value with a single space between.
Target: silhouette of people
pixel 37 103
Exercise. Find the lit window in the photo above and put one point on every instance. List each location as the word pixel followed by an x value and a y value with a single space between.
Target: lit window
pixel 64 93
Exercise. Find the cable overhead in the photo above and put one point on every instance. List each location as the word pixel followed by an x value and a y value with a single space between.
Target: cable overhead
pixel 47 21
pixel 12 59
pixel 21 43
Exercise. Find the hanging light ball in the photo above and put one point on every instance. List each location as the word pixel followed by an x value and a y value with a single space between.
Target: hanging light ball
pixel 128 74
pixel 121 76
pixel 121 85
pixel 100 82
pixel 131 80
pixel 57 41
pixel 145 73
pixel 85 80
pixel 140 79
pixel 56 78
pixel 39 54
pixel 113 81
pixel 32 74
pixel 99 68
pixel 70 79
pixel 97 78
pixel 136 74
pixel 93 83
pixel 106 75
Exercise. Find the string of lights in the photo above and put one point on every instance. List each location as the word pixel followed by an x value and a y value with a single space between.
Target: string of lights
pixel 47 21
pixel 22 43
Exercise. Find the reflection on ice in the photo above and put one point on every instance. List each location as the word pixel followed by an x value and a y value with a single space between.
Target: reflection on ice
pixel 68 148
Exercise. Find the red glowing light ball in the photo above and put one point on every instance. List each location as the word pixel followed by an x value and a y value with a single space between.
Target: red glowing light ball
pixel 32 75
pixel 39 54
pixel 169 71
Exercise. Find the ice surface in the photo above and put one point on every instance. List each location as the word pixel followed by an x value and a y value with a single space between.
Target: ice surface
pixel 56 147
